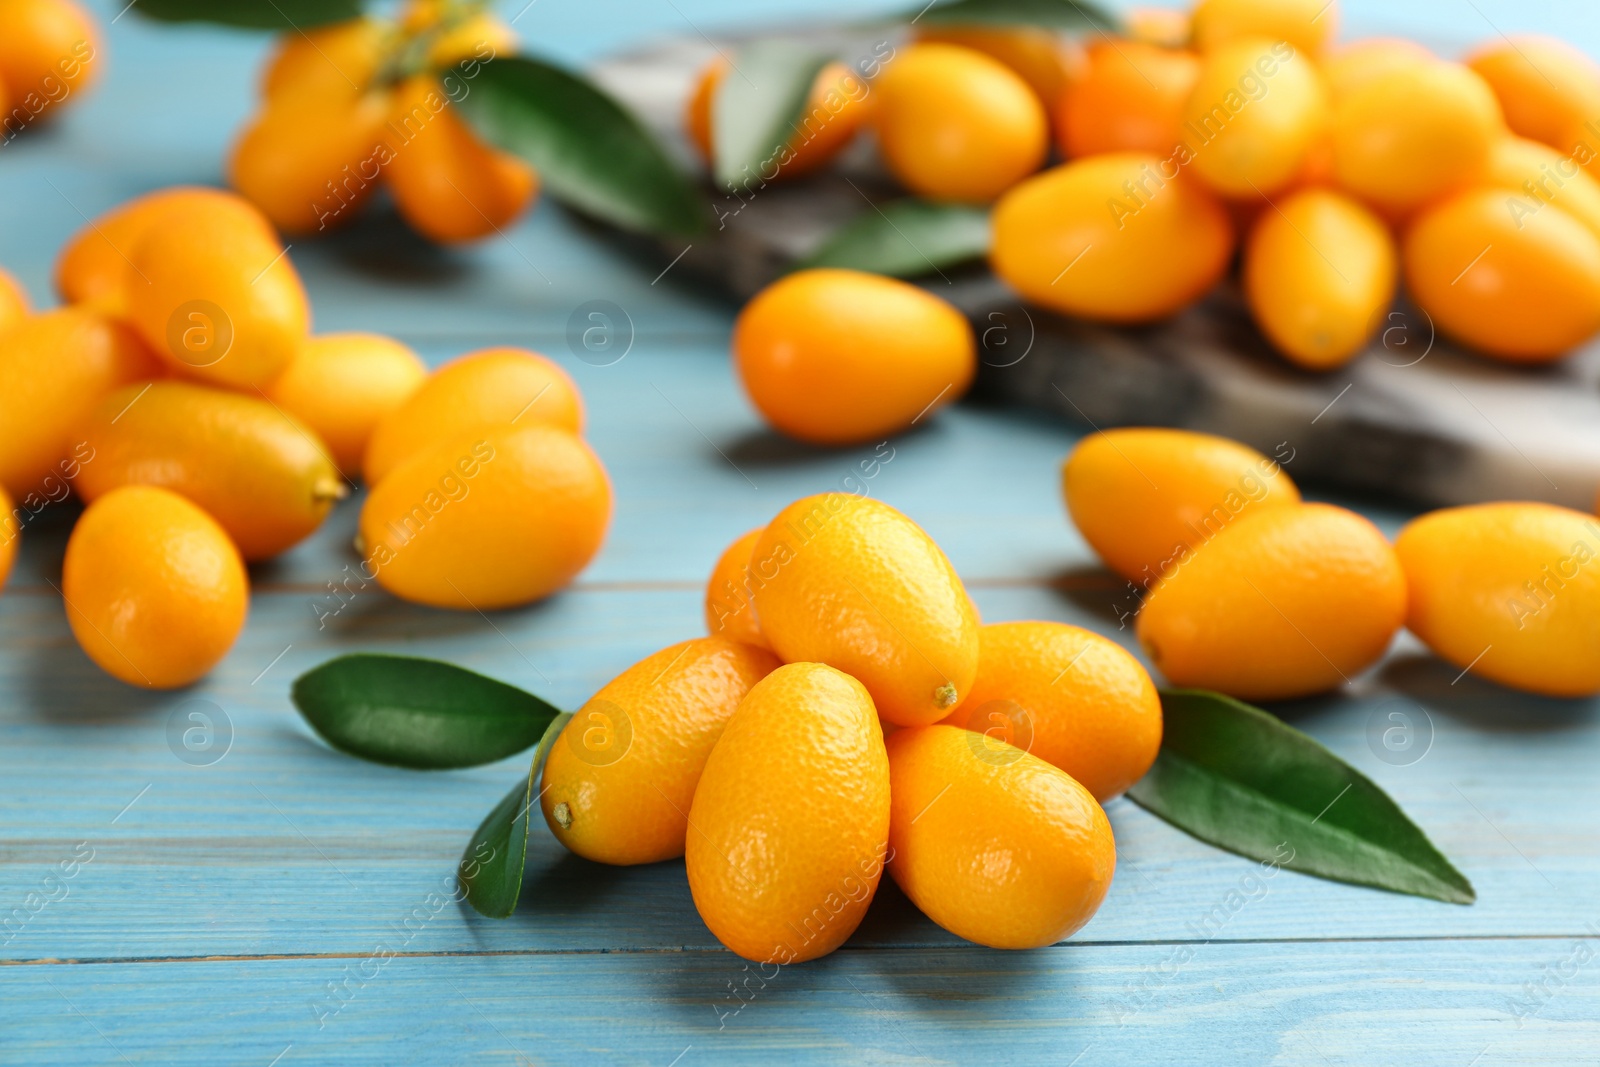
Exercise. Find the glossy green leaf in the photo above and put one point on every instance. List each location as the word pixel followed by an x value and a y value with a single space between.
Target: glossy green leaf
pixel 491 867
pixel 252 14
pixel 759 108
pixel 907 238
pixel 1072 15
pixel 591 153
pixel 410 712
pixel 1241 779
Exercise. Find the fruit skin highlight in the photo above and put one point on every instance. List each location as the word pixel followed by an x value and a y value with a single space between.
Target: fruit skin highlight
pixel 619 781
pixel 1146 498
pixel 1072 698
pixel 857 585
pixel 1284 602
pixel 156 593
pixel 837 357
pixel 790 822
pixel 999 848
pixel 260 474
pixel 1511 590
pixel 487 520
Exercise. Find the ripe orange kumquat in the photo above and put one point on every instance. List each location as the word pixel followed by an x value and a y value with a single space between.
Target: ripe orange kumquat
pixel 49 53
pixel 1351 66
pixel 54 368
pixel 1147 499
pixel 1524 287
pixel 1284 602
pixel 791 817
pixel 857 585
pixel 619 781
pixel 839 357
pixel 447 183
pixel 1095 238
pixel 1256 111
pixel 1510 591
pixel 490 519
pixel 14 303
pixel 955 124
pixel 730 594
pixel 92 267
pixel 262 475
pixel 342 385
pixel 10 536
pixel 214 294
pixel 1067 695
pixel 492 388
pixel 1130 98
pixel 1545 86
pixel 156 593
pixel 1411 133
pixel 1048 61
pixel 994 844
pixel 1319 272
pixel 1306 25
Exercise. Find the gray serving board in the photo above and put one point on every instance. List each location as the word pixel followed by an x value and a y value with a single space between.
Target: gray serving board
pixel 1412 418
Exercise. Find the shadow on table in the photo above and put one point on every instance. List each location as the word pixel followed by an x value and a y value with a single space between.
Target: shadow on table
pixel 1097 592
pixel 1442 687
pixel 765 449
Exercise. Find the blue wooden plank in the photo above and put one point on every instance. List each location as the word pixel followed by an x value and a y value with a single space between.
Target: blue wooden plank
pixel 1417 1003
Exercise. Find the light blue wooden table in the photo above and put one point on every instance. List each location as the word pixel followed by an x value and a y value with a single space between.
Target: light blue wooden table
pixel 285 904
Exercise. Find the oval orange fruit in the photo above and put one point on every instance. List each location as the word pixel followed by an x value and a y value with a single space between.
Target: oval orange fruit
pixel 619 780
pixel 790 824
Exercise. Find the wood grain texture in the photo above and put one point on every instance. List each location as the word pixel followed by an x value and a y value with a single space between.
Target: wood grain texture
pixel 211 905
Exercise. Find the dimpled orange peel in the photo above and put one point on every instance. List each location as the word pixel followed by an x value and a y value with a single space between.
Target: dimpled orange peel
pixel 859 586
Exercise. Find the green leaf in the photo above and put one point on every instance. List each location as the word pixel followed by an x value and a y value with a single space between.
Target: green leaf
pixel 1241 779
pixel 906 238
pixel 491 867
pixel 252 14
pixel 1073 15
pixel 591 153
pixel 422 713
pixel 759 105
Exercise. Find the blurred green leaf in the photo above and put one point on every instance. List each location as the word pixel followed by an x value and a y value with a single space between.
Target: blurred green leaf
pixel 758 107
pixel 252 14
pixel 906 238
pixel 1241 779
pixel 591 153
pixel 1072 15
